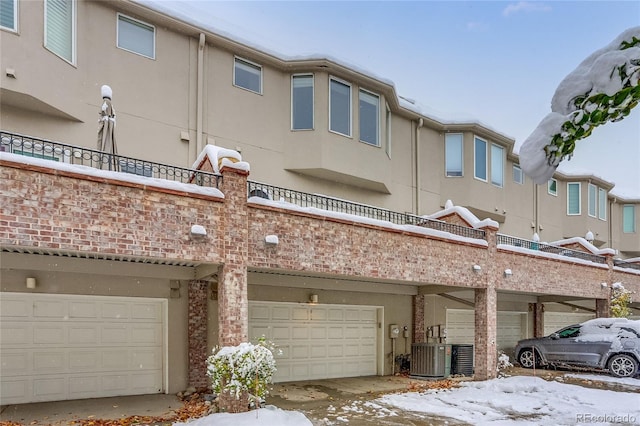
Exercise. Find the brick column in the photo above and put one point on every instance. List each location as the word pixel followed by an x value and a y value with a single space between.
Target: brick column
pixel 538 318
pixel 603 308
pixel 418 319
pixel 197 334
pixel 233 300
pixel 486 318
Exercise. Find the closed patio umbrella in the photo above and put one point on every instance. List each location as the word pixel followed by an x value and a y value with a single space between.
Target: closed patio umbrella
pixel 106 132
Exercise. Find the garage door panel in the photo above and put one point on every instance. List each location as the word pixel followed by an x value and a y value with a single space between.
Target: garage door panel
pixel 17 389
pixel 259 312
pixel 336 332
pixel 83 310
pixel 319 332
pixel 49 309
pixel 146 311
pixel 318 314
pixel 49 361
pixel 14 362
pixel 83 360
pixel 146 334
pixel 49 387
pixel 114 383
pixel 145 359
pixel 300 351
pixel 300 333
pixel 49 334
pixel 335 351
pixel 113 310
pixel 318 351
pixel 15 334
pixel 281 333
pixel 114 334
pixel 83 386
pixel 336 315
pixel 11 307
pixel 300 314
pixel 280 313
pixel 84 334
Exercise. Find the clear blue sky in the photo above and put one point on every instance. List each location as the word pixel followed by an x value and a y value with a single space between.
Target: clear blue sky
pixel 497 61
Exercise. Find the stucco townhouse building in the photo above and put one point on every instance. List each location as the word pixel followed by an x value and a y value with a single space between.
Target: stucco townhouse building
pixel 252 194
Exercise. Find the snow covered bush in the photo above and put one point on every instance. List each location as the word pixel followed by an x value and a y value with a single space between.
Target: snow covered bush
pixel 620 300
pixel 244 368
pixel 503 361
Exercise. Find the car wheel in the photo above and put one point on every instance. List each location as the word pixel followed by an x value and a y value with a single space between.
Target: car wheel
pixel 622 365
pixel 528 358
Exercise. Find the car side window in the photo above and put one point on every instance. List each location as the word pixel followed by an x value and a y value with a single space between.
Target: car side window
pixel 569 332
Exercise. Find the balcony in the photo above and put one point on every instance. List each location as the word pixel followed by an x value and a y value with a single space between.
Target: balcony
pixel 55 151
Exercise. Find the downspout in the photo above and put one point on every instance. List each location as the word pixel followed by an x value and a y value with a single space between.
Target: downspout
pixel 419 124
pixel 199 96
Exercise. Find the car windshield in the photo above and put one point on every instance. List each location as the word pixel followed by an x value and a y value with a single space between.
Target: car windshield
pixel 569 332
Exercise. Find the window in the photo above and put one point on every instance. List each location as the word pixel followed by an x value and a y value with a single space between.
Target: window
pixel 573 198
pixel 388 125
pixel 340 107
pixel 302 102
pixel 497 165
pixel 247 75
pixel 453 154
pixel 9 14
pixel 135 168
pixel 592 199
pixel 136 36
pixel 602 204
pixel 629 219
pixel 480 159
pixel 369 117
pixel 518 176
pixel 60 28
pixel 552 187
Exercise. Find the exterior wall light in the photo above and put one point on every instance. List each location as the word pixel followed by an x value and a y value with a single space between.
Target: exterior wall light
pixel 477 268
pixel 313 298
pixel 271 240
pixel 508 272
pixel 31 283
pixel 198 232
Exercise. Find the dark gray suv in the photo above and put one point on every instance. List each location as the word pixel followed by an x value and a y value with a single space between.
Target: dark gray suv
pixel 611 344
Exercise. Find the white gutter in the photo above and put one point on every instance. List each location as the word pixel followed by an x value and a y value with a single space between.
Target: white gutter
pixel 419 124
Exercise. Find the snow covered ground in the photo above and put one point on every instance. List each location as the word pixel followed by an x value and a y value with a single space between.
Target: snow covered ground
pixel 517 400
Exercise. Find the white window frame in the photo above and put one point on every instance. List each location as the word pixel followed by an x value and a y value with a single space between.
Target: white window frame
pixel 602 204
pixel 486 159
pixel 519 181
pixel 446 151
pixel 388 118
pixel 313 101
pixel 551 191
pixel 493 166
pixel 237 59
pixel 141 24
pixel 13 29
pixel 592 200
pixel 633 219
pixel 570 184
pixel 74 26
pixel 377 123
pixel 337 80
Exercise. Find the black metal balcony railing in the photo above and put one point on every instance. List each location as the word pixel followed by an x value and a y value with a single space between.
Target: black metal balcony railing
pixel 624 264
pixel 303 199
pixel 56 151
pixel 548 248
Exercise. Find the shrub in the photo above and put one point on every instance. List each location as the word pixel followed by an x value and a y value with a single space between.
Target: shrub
pixel 244 368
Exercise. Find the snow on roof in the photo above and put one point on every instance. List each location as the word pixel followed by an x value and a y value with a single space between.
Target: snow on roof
pixel 586 244
pixel 609 330
pixel 366 220
pixel 556 256
pixel 219 157
pixel 465 214
pixel 113 175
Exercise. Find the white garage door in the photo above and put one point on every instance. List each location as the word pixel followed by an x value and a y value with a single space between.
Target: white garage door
pixel 318 341
pixel 58 347
pixel 554 321
pixel 512 326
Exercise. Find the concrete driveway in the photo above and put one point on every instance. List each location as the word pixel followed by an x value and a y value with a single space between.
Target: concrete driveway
pixel 324 402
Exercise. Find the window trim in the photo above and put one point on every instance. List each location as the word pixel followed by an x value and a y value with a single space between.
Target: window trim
pixel 337 80
pixel 486 159
pixel 521 181
pixel 74 28
pixel 502 157
pixel 313 100
pixel 633 219
pixel 446 170
pixel 15 18
pixel 142 23
pixel 591 186
pixel 602 209
pixel 549 191
pixel 248 62
pixel 388 118
pixel 378 97
pixel 579 198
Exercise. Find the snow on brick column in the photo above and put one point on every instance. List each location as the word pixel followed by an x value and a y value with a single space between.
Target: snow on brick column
pixel 233 301
pixel 418 319
pixel 197 293
pixel 603 308
pixel 486 319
